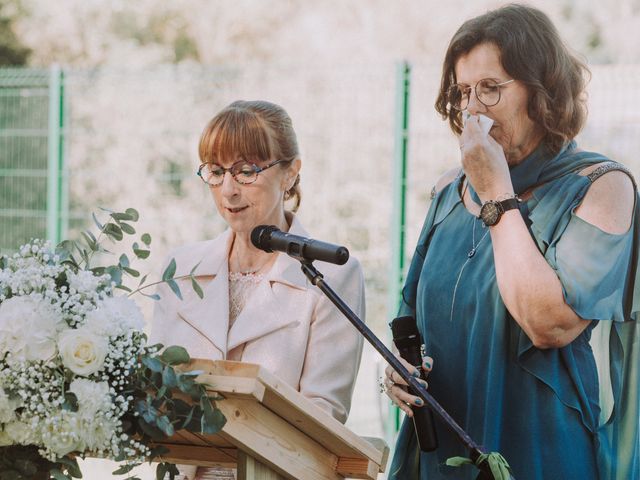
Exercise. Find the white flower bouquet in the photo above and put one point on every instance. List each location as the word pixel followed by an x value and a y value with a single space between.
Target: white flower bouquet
pixel 76 374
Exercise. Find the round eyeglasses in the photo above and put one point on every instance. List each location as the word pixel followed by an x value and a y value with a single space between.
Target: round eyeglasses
pixel 487 92
pixel 242 172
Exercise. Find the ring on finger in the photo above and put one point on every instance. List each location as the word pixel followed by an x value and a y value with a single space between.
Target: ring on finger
pixel 382 385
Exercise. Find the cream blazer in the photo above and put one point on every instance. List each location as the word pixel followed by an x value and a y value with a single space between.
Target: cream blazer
pixel 288 325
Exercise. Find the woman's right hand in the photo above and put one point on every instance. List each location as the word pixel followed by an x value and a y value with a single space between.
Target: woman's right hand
pixel 396 388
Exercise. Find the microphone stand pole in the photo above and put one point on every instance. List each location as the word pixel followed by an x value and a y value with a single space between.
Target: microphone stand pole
pixel 316 278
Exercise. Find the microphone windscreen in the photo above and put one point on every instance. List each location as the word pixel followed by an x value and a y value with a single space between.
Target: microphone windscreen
pixel 260 236
pixel 403 327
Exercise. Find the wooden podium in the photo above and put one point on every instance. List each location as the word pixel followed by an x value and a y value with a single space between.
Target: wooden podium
pixel 273 432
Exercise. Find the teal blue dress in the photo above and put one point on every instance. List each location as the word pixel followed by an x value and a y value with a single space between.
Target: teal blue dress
pixel 565 413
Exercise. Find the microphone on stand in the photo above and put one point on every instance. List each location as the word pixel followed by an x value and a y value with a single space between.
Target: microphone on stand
pixel 270 238
pixel 407 340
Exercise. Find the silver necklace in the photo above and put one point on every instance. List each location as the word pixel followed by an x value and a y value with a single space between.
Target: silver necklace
pixel 470 255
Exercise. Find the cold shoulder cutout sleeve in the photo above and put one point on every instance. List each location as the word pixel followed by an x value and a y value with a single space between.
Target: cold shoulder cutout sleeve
pixel 599 276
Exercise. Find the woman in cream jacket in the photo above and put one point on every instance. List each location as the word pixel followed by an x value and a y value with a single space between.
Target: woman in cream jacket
pixel 259 307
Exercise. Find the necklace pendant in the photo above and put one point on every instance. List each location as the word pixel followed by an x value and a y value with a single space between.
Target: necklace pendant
pixel 471 253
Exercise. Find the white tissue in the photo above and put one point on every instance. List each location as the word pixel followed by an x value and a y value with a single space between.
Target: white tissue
pixel 485 122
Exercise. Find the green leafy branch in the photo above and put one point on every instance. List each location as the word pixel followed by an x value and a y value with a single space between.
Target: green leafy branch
pixel 80 253
pixel 168 399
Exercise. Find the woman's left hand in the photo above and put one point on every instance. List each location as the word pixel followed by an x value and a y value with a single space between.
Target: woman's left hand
pixel 396 388
pixel 484 162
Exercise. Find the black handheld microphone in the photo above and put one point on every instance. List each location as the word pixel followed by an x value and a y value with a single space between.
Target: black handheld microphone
pixel 407 340
pixel 270 238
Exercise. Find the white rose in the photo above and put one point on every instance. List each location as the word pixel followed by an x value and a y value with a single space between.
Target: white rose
pixel 115 316
pixel 82 351
pixel 97 434
pixel 93 397
pixel 60 435
pixel 28 328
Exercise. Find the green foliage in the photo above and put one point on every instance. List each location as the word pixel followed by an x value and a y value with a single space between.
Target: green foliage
pixel 79 255
pixel 168 399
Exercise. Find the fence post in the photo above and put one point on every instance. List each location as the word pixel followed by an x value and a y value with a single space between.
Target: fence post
pixel 398 212
pixel 55 157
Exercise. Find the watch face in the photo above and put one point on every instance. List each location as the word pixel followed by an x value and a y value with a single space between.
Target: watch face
pixel 490 213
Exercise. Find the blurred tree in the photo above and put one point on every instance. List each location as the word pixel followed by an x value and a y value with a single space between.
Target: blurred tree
pixel 12 50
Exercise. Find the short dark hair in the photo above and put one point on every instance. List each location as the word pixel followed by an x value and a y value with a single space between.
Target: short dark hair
pixel 532 52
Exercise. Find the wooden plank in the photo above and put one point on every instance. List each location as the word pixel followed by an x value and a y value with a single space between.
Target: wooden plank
pixel 354 456
pixel 250 469
pixel 233 386
pixel 183 437
pixel 201 456
pixel 267 437
pixel 285 401
pixel 357 468
pixel 381 445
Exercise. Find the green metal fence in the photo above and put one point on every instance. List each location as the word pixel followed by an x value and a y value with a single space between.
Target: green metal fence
pixel 31 159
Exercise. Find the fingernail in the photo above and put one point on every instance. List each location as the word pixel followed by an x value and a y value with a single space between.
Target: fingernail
pixel 419 401
pixel 427 364
pixel 416 373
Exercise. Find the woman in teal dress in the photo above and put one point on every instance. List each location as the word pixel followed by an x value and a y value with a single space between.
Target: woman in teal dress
pixel 523 283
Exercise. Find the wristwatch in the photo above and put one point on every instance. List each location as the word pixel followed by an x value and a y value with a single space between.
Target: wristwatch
pixel 492 210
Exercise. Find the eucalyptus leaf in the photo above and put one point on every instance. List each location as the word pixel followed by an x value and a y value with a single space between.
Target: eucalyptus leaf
pixel 128 229
pixel 72 466
pixel 194 268
pixel 158 450
pixel 197 288
pixel 152 363
pixel 115 273
pixel 154 296
pixel 119 217
pixel 161 471
pixel 175 355
pixel 146 239
pixel 113 231
pixel 123 261
pixel 151 430
pixel 168 468
pixel 175 288
pixel 98 270
pixel 133 214
pixel 124 469
pixel 188 418
pixel 142 254
pixel 131 271
pixel 58 475
pixel 170 271
pixel 95 220
pixel 213 422
pixel 168 377
pixel 91 242
pixel 165 425
pixel 70 402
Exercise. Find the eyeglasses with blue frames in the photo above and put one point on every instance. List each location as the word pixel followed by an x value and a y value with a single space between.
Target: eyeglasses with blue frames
pixel 487 92
pixel 242 172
